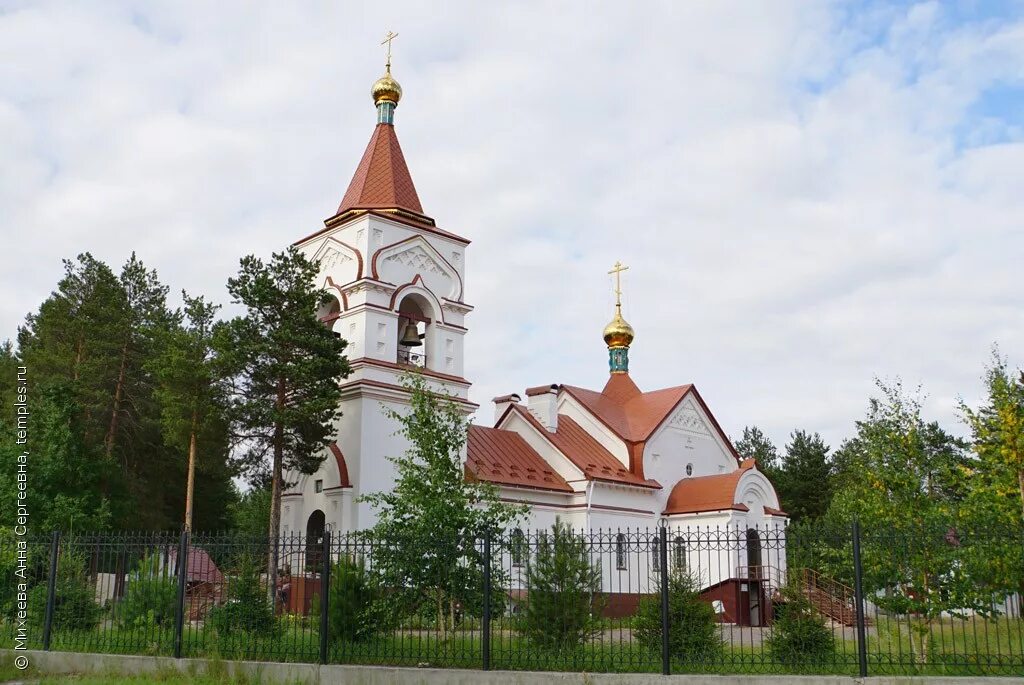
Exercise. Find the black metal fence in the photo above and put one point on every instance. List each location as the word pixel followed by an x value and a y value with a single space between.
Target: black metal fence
pixel 802 599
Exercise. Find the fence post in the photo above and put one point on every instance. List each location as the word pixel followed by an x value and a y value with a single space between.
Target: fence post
pixel 179 617
pixel 486 619
pixel 666 660
pixel 325 595
pixel 51 590
pixel 858 595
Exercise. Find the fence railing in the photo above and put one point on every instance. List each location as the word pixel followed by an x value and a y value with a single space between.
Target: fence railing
pixel 803 599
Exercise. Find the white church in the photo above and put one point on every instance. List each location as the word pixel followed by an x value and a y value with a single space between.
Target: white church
pixel 612 458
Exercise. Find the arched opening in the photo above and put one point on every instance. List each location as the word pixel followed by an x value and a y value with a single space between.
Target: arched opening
pixel 518 547
pixel 679 553
pixel 754 574
pixel 620 551
pixel 328 313
pixel 413 321
pixel 315 526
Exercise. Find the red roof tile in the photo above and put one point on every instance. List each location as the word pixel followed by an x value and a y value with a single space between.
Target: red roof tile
pixel 503 457
pixel 590 456
pixel 382 179
pixel 707 493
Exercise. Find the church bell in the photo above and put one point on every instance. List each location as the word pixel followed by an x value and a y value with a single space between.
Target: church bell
pixel 411 337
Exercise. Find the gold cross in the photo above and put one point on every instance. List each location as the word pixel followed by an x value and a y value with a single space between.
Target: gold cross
pixel 617 270
pixel 387 39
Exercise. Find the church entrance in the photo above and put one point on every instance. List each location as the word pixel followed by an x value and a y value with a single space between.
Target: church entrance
pixel 315 526
pixel 755 574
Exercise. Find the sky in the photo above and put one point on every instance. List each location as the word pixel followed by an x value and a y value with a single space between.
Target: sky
pixel 809 196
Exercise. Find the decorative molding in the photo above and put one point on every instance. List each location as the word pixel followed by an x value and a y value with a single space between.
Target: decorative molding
pixel 689 420
pixel 419 259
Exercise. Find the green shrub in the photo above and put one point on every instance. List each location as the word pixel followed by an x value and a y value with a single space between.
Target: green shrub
pixel 356 611
pixel 693 635
pixel 248 608
pixel 74 602
pixel 151 596
pixel 564 600
pixel 799 636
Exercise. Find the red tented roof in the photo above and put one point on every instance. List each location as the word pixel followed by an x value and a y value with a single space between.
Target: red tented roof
pixel 504 458
pixel 382 179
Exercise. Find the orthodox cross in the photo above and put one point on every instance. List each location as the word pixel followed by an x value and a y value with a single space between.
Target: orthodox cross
pixel 387 39
pixel 617 270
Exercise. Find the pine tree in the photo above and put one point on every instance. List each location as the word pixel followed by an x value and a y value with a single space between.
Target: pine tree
pixel 191 398
pixel 428 525
pixel 756 445
pixel 805 484
pixel 693 635
pixel 284 368
pixel 563 601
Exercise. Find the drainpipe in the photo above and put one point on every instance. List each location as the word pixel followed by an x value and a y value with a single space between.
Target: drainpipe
pixel 590 494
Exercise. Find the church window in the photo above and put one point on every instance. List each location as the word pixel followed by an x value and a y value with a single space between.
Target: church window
pixel 518 547
pixel 319 485
pixel 655 553
pixel 689 469
pixel 679 553
pixel 620 551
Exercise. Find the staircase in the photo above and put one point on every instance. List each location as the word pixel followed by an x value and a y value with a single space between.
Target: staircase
pixel 830 597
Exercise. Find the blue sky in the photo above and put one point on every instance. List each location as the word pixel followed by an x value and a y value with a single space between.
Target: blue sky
pixel 810 195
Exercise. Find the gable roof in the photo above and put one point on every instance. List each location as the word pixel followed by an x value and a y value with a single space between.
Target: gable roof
pixel 504 457
pixel 382 179
pixel 585 452
pixel 634 415
pixel 707 493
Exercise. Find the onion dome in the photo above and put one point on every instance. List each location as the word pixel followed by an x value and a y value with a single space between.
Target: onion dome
pixel 386 89
pixel 618 333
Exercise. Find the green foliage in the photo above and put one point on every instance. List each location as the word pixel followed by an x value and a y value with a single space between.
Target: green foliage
pixel 805 484
pixel 800 639
pixel 247 608
pixel 150 598
pixel 564 602
pixel 756 445
pixel 88 349
pixel 191 397
pixel 356 612
pixel 74 603
pixel 429 524
pixel 283 368
pixel 693 635
pixel 250 512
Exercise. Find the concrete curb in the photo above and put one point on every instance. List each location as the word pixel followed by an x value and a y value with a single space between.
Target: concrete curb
pixel 315 674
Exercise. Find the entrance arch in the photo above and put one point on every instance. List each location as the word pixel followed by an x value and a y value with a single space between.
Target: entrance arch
pixel 316 524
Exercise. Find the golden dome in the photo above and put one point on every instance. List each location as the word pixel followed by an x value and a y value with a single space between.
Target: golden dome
pixel 386 89
pixel 618 333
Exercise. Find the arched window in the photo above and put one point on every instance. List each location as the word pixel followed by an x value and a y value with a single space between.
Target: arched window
pixel 518 547
pixel 753 550
pixel 315 525
pixel 655 553
pixel 679 553
pixel 620 551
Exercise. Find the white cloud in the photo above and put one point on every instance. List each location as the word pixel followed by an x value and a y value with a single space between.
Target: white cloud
pixel 803 193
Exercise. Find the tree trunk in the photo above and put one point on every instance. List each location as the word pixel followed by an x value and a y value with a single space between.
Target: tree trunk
pixel 118 394
pixel 275 492
pixel 1020 481
pixel 190 485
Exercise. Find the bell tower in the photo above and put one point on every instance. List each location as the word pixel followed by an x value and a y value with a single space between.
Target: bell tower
pixel 398 299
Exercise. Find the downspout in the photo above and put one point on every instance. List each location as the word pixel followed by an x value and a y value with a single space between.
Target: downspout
pixel 590 494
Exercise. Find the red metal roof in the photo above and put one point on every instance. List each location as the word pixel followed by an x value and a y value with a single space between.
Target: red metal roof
pixel 632 414
pixel 707 493
pixel 200 566
pixel 382 179
pixel 503 457
pixel 589 455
